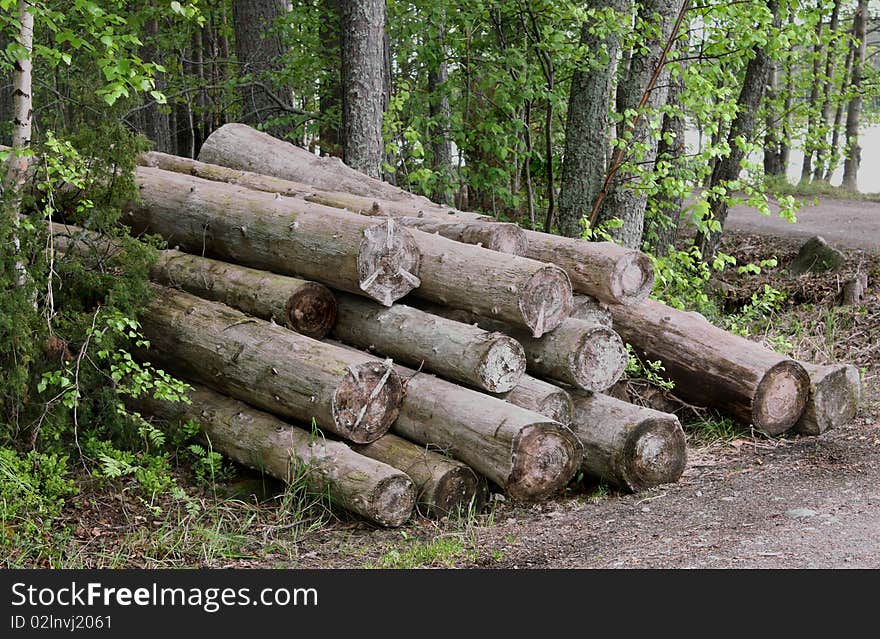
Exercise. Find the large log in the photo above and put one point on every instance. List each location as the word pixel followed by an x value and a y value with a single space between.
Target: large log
pixel 306 307
pixel 587 355
pixel 610 273
pixel 285 235
pixel 835 391
pixel 591 310
pixel 464 353
pixel 541 397
pixel 711 367
pixel 516 290
pixel 444 486
pixel 350 394
pixel 523 452
pixel 632 447
pixel 261 441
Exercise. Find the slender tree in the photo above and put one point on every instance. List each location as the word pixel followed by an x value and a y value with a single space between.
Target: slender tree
pixel 827 112
pixel 854 109
pixel 330 100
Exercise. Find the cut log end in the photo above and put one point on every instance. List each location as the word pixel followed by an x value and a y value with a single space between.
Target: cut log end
pixel 780 398
pixel 632 278
pixel 503 364
pixel 457 492
pixel 388 262
pixel 393 500
pixel 545 301
pixel 545 458
pixel 601 359
pixel 834 400
pixel 558 407
pixel 367 402
pixel 507 238
pixel 311 310
pixel 655 453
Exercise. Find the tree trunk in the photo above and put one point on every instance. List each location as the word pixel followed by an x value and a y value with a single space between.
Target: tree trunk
pixel 305 307
pixel 541 397
pixel 363 84
pixel 773 135
pixel 607 271
pixel 443 486
pixel 827 82
pixel 627 200
pixel 441 116
pixel 711 367
pixel 854 110
pixel 490 361
pixel 156 120
pixel 834 157
pixel 260 51
pixel 813 104
pixel 331 82
pixel 741 129
pixel 629 446
pixel 835 392
pixel 517 290
pixel 352 395
pixel 370 488
pixel 586 130
pixel 284 235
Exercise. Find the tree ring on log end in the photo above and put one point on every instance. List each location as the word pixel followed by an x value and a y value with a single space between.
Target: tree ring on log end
pixel 458 491
pixel 503 364
pixel 632 278
pixel 508 238
pixel 393 500
pixel 311 310
pixel 558 407
pixel 545 458
pixel 599 360
pixel 780 398
pixel 388 262
pixel 367 402
pixel 836 398
pixel 545 301
pixel 655 453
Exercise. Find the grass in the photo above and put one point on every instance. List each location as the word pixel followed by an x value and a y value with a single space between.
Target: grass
pixel 715 429
pixel 444 551
pixel 781 186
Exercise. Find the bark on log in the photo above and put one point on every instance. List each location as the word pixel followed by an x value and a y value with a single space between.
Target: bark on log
pixel 630 446
pixel 586 355
pixel 306 307
pixel 835 392
pixel 604 270
pixel 284 235
pixel 443 486
pixel 464 353
pixel 261 441
pixel 541 397
pixel 514 289
pixel 711 367
pixel 350 394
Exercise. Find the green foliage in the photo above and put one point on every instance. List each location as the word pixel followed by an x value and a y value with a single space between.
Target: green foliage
pixel 440 552
pixel 760 307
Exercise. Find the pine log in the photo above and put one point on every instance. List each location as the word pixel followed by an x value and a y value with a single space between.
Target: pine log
pixel 516 290
pixel 350 394
pixel 630 446
pixel 306 307
pixel 835 392
pixel 610 273
pixel 591 310
pixel 285 235
pixel 711 367
pixel 464 353
pixel 525 453
pixel 541 397
pixel 586 355
pixel 444 486
pixel 261 441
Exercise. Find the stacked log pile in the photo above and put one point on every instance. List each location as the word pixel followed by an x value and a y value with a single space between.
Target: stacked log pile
pixel 408 352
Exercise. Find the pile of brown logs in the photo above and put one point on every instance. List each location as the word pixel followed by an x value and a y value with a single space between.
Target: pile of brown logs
pixel 407 354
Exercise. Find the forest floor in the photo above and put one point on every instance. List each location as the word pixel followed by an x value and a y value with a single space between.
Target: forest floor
pixel 744 500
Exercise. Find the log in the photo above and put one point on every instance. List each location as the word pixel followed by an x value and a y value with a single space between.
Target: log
pixel 835 392
pixel 591 310
pixel 349 394
pixel 261 441
pixel 270 232
pixel 464 353
pixel 519 291
pixel 586 355
pixel 711 367
pixel 525 453
pixel 306 307
pixel 608 272
pixel 629 446
pixel 853 290
pixel 443 486
pixel 541 397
